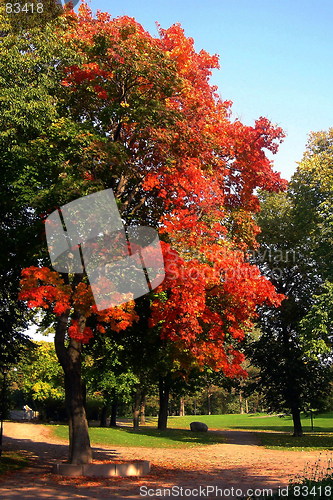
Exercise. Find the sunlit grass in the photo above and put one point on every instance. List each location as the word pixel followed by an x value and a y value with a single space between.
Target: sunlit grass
pixel 145 437
pixel 308 442
pixel 258 421
pixel 272 431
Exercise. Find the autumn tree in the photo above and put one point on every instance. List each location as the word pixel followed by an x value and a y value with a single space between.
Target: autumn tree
pixel 136 113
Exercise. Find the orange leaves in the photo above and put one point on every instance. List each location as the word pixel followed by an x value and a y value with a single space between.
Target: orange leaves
pixel 82 299
pixel 198 159
pixel 42 288
pixel 80 334
pixel 181 50
pixel 182 315
pixel 118 318
pixel 88 73
pixel 207 308
pixel 121 42
pixel 151 181
pixel 101 93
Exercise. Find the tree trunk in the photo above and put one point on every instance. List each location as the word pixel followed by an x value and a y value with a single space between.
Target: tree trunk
pixel 164 392
pixel 114 408
pixel 70 360
pixel 79 442
pixel 298 430
pixel 143 410
pixel 104 414
pixel 136 408
pixel 241 408
pixel 182 407
pixel 292 390
pixel 209 411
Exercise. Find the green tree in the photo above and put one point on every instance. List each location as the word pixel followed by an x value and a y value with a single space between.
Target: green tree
pixel 312 189
pixel 107 372
pixel 17 230
pixel 38 378
pixel 296 254
pixel 317 325
pixel 30 61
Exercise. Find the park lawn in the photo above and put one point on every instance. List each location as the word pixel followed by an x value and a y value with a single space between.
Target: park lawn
pixel 11 461
pixel 280 437
pixel 309 442
pixel 256 422
pixel 145 437
pixel 274 432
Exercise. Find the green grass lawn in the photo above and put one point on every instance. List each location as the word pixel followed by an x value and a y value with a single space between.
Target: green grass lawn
pixel 145 437
pixel 262 421
pixel 11 461
pixel 273 432
pixel 276 431
pixel 308 442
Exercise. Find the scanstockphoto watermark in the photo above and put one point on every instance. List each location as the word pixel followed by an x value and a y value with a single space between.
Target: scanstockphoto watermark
pixel 276 255
pixel 237 273
pixel 88 236
pixel 295 491
pixel 246 266
pixel 201 492
pixel 209 491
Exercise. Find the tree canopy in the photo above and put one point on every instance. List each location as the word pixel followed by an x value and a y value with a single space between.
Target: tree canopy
pixel 296 245
pixel 100 103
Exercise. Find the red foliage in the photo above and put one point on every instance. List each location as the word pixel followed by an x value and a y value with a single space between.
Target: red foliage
pixel 77 333
pixel 202 172
pixel 210 308
pixel 43 288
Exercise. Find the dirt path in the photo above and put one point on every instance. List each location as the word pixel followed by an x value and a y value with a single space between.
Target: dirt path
pixel 239 463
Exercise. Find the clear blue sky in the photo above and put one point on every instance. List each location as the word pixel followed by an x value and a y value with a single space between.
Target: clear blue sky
pixel 276 57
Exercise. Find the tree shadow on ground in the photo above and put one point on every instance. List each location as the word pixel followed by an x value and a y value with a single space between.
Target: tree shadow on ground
pixel 39 452
pixel 38 482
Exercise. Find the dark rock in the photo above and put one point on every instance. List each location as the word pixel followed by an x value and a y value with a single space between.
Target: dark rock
pixel 198 427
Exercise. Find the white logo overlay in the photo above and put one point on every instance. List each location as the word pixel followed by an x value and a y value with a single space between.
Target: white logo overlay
pixel 88 235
